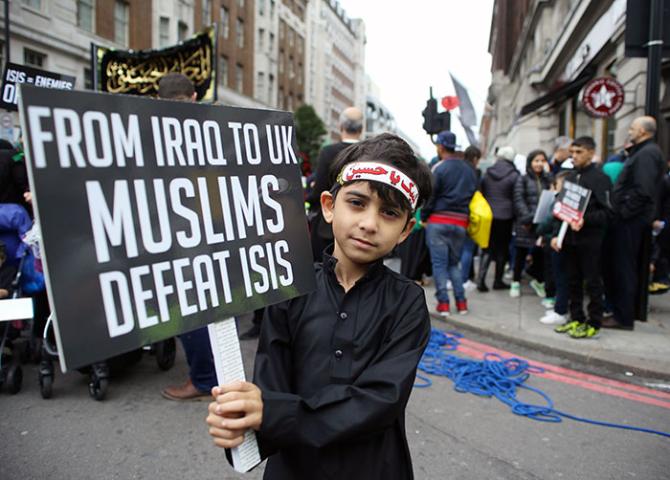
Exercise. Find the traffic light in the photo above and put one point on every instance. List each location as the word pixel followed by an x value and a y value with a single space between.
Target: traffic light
pixel 434 122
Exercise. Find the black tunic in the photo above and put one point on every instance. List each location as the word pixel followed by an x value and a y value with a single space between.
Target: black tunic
pixel 336 371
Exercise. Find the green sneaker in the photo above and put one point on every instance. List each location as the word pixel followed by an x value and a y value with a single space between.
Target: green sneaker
pixel 515 290
pixel 567 327
pixel 584 330
pixel 538 288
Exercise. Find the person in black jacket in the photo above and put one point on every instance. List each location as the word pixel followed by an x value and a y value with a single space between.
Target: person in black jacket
pixel 335 368
pixel 661 228
pixel 527 191
pixel 498 189
pixel 351 129
pixel 13 176
pixel 634 200
pixel 583 243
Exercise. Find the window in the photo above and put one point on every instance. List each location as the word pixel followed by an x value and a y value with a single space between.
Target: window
pixel 261 7
pixel 182 30
pixel 36 4
pixel 206 12
pixel 261 38
pixel 239 78
pixel 88 79
pixel 291 72
pixel 240 33
pixel 272 42
pixel 164 32
pixel 121 22
pixel 85 14
pixel 225 22
pixel 271 86
pixel 32 58
pixel 260 88
pixel 223 70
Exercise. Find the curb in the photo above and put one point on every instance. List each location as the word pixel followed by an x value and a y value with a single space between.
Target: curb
pixel 553 350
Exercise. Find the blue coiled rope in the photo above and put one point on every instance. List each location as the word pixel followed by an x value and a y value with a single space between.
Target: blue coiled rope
pixel 495 376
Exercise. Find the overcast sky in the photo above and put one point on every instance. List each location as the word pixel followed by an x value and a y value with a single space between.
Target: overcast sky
pixel 414 45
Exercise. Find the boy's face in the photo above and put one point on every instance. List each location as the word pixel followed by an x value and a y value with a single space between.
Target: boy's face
pixel 365 228
pixel 581 156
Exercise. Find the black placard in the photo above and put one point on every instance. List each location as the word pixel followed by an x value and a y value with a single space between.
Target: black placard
pixel 17 74
pixel 158 217
pixel 137 72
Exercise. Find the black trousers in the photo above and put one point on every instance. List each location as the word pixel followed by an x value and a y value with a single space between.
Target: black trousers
pixel 535 270
pixel 501 236
pixel 630 275
pixel 584 270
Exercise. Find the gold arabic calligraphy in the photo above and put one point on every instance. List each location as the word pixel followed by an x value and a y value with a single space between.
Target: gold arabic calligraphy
pixel 141 76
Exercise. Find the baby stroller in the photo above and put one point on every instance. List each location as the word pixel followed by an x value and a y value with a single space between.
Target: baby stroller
pixel 99 373
pixel 14 221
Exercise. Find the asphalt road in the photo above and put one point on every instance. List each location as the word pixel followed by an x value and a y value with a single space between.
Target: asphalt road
pixel 136 434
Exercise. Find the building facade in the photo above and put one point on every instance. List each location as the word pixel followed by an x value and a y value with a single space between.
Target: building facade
pixel 335 62
pixel 543 54
pixel 291 55
pixel 271 53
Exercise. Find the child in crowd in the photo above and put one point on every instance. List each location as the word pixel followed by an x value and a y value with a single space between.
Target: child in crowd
pixel 335 368
pixel 555 271
pixel 583 242
pixel 527 191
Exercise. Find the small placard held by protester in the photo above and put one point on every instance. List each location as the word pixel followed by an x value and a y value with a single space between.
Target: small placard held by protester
pixel 570 206
pixel 159 217
pixel 17 74
pixel 571 202
pixel 544 204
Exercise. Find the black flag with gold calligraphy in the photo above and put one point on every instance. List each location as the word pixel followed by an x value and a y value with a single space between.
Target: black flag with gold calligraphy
pixel 137 72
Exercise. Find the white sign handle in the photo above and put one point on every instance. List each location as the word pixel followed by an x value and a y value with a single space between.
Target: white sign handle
pixel 561 234
pixel 229 368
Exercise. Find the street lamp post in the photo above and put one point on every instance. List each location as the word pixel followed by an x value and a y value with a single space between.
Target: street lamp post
pixel 6 31
pixel 654 55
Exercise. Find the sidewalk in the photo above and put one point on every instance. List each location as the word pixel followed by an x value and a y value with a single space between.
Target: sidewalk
pixel 644 351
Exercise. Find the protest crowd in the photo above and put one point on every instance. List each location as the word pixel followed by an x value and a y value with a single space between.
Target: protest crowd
pixel 566 223
pixel 624 220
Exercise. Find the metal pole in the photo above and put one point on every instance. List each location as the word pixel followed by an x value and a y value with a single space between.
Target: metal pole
pixel 654 55
pixel 7 31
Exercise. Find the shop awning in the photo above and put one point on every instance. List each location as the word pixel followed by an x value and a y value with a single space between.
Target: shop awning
pixel 559 94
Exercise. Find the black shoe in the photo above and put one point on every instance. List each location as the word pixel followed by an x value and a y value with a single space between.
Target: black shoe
pixel 611 323
pixel 481 287
pixel 501 285
pixel 252 333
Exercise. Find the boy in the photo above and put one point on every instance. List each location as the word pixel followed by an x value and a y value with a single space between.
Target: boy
pixel 583 243
pixel 335 368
